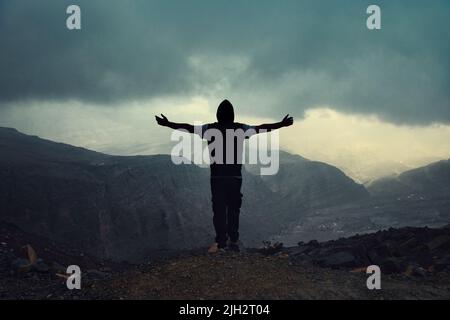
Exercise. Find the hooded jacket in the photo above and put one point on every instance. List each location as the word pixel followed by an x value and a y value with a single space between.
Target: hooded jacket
pixel 225 121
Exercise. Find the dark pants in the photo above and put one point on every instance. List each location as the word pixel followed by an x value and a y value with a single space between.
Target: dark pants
pixel 226 203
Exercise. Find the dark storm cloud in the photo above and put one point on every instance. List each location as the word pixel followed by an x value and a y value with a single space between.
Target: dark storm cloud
pixel 299 54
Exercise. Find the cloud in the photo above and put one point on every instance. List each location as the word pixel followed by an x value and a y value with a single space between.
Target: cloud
pixel 364 147
pixel 266 56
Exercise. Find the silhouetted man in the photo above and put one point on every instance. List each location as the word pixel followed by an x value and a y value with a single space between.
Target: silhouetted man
pixel 226 177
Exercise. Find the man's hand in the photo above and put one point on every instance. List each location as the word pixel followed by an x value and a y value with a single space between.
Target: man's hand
pixel 162 121
pixel 287 121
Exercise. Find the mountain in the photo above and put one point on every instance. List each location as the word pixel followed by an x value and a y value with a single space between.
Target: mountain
pixel 127 207
pixel 415 198
pixel 102 204
pixel 430 180
pixel 304 186
pixel 311 184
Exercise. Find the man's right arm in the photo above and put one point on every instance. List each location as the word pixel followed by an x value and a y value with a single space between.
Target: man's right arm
pixel 286 122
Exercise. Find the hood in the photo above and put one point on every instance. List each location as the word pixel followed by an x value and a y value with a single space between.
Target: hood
pixel 225 112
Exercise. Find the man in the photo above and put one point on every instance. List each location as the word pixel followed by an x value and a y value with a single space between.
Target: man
pixel 226 177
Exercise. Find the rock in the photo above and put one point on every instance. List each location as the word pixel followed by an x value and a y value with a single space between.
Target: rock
pixel 41 266
pixel 338 259
pixel 378 254
pixel 30 253
pixel 391 265
pixel 419 271
pixel 96 274
pixel 106 269
pixel 415 271
pixel 326 251
pixel 443 264
pixel 301 260
pixel 21 265
pixel 420 249
pixel 440 242
pixel 359 270
pixel 56 267
pixel 313 251
pixel 299 250
pixel 408 244
pixel 270 249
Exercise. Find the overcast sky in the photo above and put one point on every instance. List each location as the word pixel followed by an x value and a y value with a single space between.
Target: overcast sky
pixel 182 57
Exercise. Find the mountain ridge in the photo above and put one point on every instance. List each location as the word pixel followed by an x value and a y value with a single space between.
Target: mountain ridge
pixel 433 178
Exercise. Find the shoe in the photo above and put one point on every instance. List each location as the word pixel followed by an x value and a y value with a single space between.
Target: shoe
pixel 215 248
pixel 233 246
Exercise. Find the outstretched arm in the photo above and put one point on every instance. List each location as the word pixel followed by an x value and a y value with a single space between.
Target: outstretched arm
pixel 286 122
pixel 163 121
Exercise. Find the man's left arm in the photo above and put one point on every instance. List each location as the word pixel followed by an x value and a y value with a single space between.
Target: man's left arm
pixel 163 121
pixel 286 122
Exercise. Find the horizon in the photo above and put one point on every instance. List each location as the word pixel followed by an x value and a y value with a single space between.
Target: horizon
pixel 166 152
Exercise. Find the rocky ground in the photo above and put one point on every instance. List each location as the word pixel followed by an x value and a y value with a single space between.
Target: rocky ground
pixel 414 264
pixel 419 251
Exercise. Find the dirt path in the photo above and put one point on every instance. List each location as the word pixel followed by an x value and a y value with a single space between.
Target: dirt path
pixel 253 276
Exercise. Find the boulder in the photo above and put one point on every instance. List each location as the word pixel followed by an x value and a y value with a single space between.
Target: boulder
pixel 415 271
